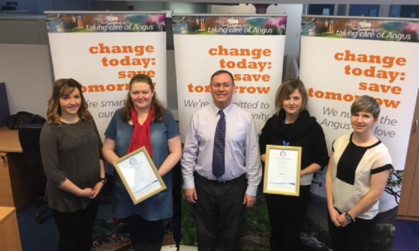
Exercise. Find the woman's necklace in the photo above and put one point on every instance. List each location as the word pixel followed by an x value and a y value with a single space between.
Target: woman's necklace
pixel 70 120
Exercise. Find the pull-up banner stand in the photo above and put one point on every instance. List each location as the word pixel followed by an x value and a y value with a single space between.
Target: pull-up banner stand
pixel 342 58
pixel 346 57
pixel 250 47
pixel 104 50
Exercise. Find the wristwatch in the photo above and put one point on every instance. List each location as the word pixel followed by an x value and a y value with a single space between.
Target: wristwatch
pixel 349 217
pixel 103 180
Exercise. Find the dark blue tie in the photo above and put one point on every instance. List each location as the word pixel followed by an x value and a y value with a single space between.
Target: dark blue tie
pixel 219 146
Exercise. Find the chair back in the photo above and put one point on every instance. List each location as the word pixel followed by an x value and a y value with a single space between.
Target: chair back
pixel 29 137
pixel 29 140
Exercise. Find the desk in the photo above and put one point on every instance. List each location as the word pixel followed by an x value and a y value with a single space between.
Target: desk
pixel 19 183
pixel 9 233
pixel 9 140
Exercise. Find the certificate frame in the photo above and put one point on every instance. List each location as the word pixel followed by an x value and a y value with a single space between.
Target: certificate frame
pixel 139 175
pixel 282 170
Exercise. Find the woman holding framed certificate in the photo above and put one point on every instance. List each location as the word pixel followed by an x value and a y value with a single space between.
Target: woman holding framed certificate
pixel 299 141
pixel 359 167
pixel 143 123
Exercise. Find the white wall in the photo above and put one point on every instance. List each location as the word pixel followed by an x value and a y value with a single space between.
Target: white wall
pixel 292 39
pixel 26 70
pixel 233 9
pixel 23 29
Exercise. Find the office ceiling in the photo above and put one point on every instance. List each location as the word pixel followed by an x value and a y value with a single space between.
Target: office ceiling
pixel 402 2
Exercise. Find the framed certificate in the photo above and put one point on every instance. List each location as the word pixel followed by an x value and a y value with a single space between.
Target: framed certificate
pixel 282 170
pixel 139 175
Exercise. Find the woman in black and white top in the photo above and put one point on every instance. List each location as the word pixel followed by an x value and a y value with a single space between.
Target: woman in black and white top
pixel 359 167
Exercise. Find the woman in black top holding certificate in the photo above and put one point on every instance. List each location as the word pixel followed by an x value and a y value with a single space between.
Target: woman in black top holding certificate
pixel 292 125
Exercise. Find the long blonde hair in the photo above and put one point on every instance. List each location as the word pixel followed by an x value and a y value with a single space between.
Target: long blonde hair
pixel 63 87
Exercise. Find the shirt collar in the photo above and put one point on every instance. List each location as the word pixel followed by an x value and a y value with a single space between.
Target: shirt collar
pixel 226 110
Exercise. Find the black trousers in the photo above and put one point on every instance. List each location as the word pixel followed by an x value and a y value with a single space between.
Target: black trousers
pixel 286 216
pixel 219 213
pixel 355 236
pixel 75 228
pixel 144 231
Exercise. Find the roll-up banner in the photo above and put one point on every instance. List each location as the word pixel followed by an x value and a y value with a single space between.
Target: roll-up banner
pixel 342 58
pixel 250 47
pixel 104 50
pixel 346 57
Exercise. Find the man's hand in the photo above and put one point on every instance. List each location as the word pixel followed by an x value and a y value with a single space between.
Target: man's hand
pixel 249 200
pixel 191 195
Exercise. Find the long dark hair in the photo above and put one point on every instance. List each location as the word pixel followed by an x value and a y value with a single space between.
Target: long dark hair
pixel 159 110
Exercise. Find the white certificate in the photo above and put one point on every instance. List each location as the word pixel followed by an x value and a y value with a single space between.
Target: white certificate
pixel 282 170
pixel 139 175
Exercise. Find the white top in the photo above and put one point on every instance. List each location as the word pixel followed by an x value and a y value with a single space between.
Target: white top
pixel 242 154
pixel 352 170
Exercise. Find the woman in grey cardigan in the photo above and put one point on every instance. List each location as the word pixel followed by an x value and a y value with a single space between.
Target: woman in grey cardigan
pixel 73 164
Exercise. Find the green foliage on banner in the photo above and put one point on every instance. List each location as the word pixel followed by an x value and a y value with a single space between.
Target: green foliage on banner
pixel 383 238
pixel 188 224
pixel 255 232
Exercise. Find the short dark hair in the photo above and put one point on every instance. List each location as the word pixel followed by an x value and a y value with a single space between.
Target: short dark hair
pixel 366 103
pixel 222 72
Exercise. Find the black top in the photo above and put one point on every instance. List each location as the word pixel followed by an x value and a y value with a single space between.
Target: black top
pixel 305 132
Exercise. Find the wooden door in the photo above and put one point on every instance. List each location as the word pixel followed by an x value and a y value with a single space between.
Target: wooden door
pixel 409 199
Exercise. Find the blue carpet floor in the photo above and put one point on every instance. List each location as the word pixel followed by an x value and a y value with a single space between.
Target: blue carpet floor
pixel 407 236
pixel 36 236
pixel 44 236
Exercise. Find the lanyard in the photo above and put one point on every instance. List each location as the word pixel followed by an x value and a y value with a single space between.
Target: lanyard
pixel 285 143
